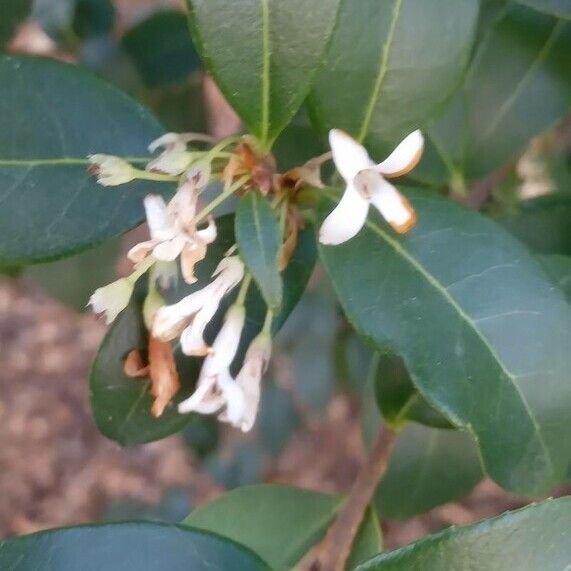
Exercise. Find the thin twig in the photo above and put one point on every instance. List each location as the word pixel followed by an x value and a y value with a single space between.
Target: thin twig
pixel 332 554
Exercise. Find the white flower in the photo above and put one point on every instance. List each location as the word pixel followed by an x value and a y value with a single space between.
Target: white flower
pixel 112 299
pixel 250 377
pixel 190 316
pixel 175 158
pixel 366 183
pixel 111 170
pixel 216 389
pixel 173 231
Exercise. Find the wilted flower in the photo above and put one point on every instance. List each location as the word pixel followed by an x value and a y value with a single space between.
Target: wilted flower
pixel 111 170
pixel 189 317
pixel 366 184
pixel 173 231
pixel 216 389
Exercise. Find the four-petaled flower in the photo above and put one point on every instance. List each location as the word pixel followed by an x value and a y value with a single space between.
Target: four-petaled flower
pixel 366 184
pixel 173 231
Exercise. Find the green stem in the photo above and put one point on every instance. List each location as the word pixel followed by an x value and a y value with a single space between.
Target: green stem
pixel 244 289
pixel 148 175
pixel 267 328
pixel 220 199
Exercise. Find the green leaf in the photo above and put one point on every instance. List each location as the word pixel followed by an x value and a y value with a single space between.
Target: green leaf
pixel 520 69
pixel 391 65
pixel 74 279
pixel 126 547
pixel 560 8
pixel 535 537
pixel 121 405
pixel 265 73
pixel 428 467
pixel 398 399
pixel 93 18
pixel 559 268
pixel 479 325
pixel 161 48
pixel 258 236
pixel 13 13
pixel 280 523
pixel 50 205
pixel 542 223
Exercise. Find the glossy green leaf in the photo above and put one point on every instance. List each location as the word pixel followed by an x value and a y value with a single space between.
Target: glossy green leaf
pixel 280 523
pixel 479 325
pixel 397 398
pixel 535 537
pixel 74 279
pixel 559 268
pixel 121 405
pixel 518 85
pixel 560 8
pixel 162 49
pixel 50 205
pixel 543 223
pixel 428 467
pixel 258 237
pixel 391 65
pixel 13 13
pixel 265 72
pixel 126 547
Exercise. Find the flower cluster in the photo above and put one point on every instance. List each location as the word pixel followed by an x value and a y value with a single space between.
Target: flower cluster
pixel 179 231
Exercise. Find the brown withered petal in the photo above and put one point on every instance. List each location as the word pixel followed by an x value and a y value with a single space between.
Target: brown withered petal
pixel 164 377
pixel 134 365
pixel 289 244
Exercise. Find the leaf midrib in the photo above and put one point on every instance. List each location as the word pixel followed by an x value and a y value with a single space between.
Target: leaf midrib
pixel 382 72
pixel 265 70
pixel 63 161
pixel 464 316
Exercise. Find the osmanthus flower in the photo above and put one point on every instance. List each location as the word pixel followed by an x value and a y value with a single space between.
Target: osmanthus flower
pixel 366 184
pixel 175 158
pixel 173 230
pixel 111 170
pixel 189 317
pixel 216 390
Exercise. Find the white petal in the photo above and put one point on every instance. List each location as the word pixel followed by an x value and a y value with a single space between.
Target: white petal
pixel 392 205
pixel 169 250
pixel 171 319
pixel 234 396
pixel 173 162
pixel 111 299
pixel 349 156
pixel 229 272
pixel 226 343
pixel 182 207
pixel 405 157
pixel 209 233
pixel 346 219
pixel 156 211
pixel 202 400
pixel 168 140
pixel 192 338
pixel 141 250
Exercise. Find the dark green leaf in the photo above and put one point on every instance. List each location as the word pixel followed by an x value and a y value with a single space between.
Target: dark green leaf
pixel 51 206
pixel 428 467
pixel 13 13
pixel 279 523
pixel 561 8
pixel 266 72
pixel 258 236
pixel 74 279
pixel 559 268
pixel 398 399
pixel 121 405
pixel 93 18
pixel 162 49
pixel 126 547
pixel 521 69
pixel 391 65
pixel 479 325
pixel 535 537
pixel 543 223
